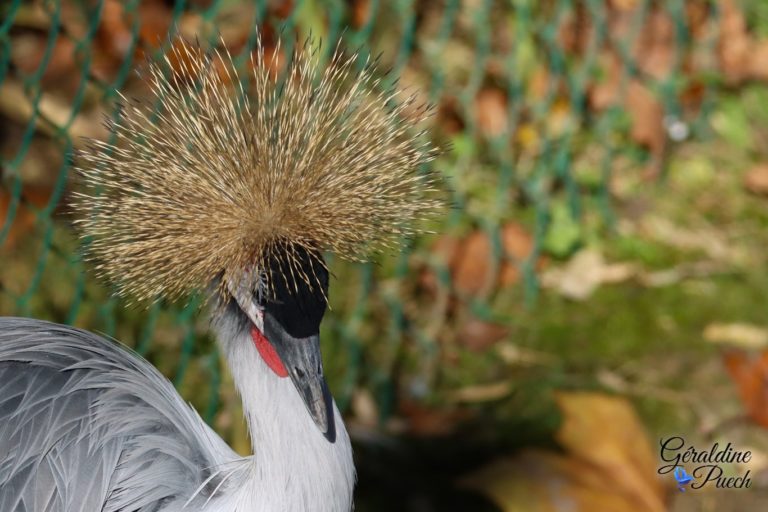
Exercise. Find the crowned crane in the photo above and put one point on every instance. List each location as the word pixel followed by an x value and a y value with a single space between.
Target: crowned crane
pixel 236 187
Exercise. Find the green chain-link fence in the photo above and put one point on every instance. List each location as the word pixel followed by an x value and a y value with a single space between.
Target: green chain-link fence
pixel 541 101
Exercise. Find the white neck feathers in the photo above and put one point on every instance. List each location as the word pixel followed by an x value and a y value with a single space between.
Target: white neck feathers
pixel 294 467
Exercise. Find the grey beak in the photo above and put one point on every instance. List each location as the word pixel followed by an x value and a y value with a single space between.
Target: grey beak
pixel 301 357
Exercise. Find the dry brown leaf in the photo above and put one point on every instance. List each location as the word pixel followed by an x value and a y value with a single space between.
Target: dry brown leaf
pixel 605 431
pixel 647 117
pixel 74 19
pixel 482 392
pixel 584 273
pixel 33 198
pixel 471 260
pixel 479 334
pixel 467 259
pixel 32 15
pixel 361 12
pixel 516 355
pixel 608 464
pixel 491 112
pixel 645 110
pixel 706 239
pixel 540 84
pixel 624 5
pixel 756 179
pixel 115 32
pixel 758 60
pixel 744 336
pixel 568 33
pixel 750 374
pixel 539 481
pixel 698 16
pixel 28 50
pixel 364 409
pixel 115 36
pixel 518 244
pixel 15 105
pixel 694 93
pixel 655 49
pixel 602 95
pixel 605 93
pixel 156 19
pixel 282 9
pixel 735 44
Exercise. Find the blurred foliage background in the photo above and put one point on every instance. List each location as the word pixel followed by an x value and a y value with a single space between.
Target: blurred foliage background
pixel 600 283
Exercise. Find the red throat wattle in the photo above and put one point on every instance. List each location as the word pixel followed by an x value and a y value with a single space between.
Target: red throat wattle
pixel 268 353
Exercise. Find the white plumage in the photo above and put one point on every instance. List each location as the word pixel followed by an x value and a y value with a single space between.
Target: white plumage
pixel 86 425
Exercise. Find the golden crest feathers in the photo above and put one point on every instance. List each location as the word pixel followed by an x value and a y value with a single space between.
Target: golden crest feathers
pixel 217 173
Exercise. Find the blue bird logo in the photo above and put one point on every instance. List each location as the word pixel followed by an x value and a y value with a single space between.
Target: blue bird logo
pixel 682 478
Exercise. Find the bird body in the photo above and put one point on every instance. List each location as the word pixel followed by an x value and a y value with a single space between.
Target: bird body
pixel 86 424
pixel 237 190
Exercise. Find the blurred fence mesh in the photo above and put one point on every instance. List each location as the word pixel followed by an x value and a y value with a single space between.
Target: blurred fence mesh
pixel 543 102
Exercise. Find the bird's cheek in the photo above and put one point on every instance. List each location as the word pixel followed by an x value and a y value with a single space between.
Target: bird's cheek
pixel 268 353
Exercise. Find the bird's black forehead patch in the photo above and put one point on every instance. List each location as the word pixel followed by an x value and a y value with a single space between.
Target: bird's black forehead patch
pixel 297 303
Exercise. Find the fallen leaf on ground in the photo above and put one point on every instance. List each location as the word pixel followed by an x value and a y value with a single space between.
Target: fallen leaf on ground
pixel 115 35
pixel 756 180
pixel 364 409
pixel 744 336
pixel 758 61
pixel 587 270
pixel 16 105
pixel 491 112
pixel 605 431
pixel 655 47
pixel 29 51
pixel 734 43
pixel 750 374
pixel 477 334
pixel 758 462
pixel 608 464
pixel 24 219
pixel 681 272
pixel 513 354
pixel 624 5
pixel 361 12
pixel 482 392
pixel 645 110
pixel 647 116
pixel 471 260
pixel 705 239
pixel 584 273
pixel 540 84
pixel 605 92
pixel 282 9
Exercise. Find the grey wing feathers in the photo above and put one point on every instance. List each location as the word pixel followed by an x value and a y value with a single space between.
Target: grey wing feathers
pixel 86 425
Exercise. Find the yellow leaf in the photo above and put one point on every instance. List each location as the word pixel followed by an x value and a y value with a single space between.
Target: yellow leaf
pixel 607 465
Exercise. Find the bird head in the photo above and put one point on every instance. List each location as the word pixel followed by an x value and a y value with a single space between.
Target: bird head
pixel 283 317
pixel 245 180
